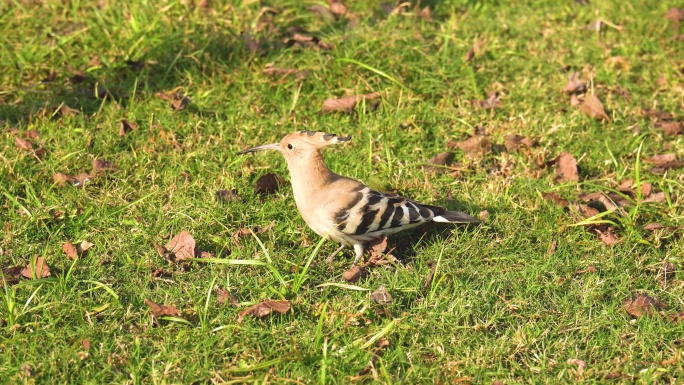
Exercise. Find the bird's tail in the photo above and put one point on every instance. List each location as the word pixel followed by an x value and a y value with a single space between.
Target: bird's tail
pixel 455 217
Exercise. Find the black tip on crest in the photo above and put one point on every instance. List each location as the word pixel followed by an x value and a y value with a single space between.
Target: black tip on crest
pixel 343 138
pixel 328 136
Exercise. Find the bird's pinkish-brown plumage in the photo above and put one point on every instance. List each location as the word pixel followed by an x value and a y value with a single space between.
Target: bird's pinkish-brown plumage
pixel 342 209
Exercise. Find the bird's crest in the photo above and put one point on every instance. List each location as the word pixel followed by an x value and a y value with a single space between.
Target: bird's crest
pixel 318 139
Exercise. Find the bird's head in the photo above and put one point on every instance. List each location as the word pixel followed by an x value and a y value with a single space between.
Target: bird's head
pixel 300 144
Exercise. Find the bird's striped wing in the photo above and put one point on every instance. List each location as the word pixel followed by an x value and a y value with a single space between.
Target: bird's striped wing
pixel 371 212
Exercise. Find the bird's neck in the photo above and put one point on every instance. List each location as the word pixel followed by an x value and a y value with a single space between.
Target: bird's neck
pixel 308 174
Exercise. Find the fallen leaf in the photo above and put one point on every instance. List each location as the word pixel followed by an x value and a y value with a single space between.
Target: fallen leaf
pixel 225 296
pixel 36 269
pixel 376 247
pixel 675 15
pixel 593 107
pixel 473 147
pixel 182 246
pixel 103 165
pixel 646 189
pixel 575 85
pixel 23 143
pixel 425 14
pixel 381 296
pixel 589 269
pixel 577 362
pixel 85 343
pixel 323 12
pixel 608 237
pixel 492 101
pixel 256 230
pixel 566 168
pixel 354 274
pixel 470 54
pixel 653 226
pixel 84 247
pixel 125 127
pixel 70 250
pixel 263 309
pixel 514 141
pixel 442 159
pixel 80 180
pixel 268 184
pixel 177 99
pixel 347 103
pixel 583 210
pixel 228 195
pixel 302 40
pixel 574 101
pixel 336 7
pixel 670 128
pixel 271 70
pixel 658 197
pixel 641 304
pixel 66 111
pixel 555 198
pixel 483 215
pixel 657 115
pixel 660 159
pixel 162 310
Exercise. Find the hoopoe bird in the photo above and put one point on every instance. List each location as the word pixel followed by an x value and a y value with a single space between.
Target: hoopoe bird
pixel 342 209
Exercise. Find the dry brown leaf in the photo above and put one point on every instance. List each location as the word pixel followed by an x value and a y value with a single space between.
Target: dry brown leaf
pixel 608 237
pixel 555 198
pixel 658 197
pixel 670 128
pixel 81 179
pixel 162 310
pixel 60 179
pixel 347 103
pixel 182 246
pixel 377 246
pixel 381 344
pixel 661 159
pixel 646 189
pixel 271 70
pixel 593 107
pixel 66 111
pixel 653 226
pixel 675 15
pixel 425 14
pixel 323 12
pixel 583 210
pixel 492 101
pixel 656 114
pixel 473 147
pixel 336 7
pixel 574 101
pixel 265 308
pixel 566 168
pixel 177 99
pixel 256 230
pixel 228 195
pixel 514 141
pixel 381 296
pixel 23 144
pixel 103 165
pixel 575 85
pixel 226 296
pixel 442 159
pixel 36 270
pixel 354 274
pixel 641 304
pixel 125 127
pixel 268 184
pixel 70 250
pixel 483 215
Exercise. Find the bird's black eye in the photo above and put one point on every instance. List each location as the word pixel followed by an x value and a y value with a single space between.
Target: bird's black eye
pixel 290 146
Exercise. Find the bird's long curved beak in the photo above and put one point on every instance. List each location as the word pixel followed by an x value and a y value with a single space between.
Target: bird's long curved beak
pixel 272 146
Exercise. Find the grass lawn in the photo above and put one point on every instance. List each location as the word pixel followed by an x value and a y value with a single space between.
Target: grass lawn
pixel 120 121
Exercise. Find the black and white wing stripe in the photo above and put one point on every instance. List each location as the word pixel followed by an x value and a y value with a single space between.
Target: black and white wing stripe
pixel 371 212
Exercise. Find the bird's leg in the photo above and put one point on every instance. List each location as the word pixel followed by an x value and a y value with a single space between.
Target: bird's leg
pixel 332 256
pixel 358 248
